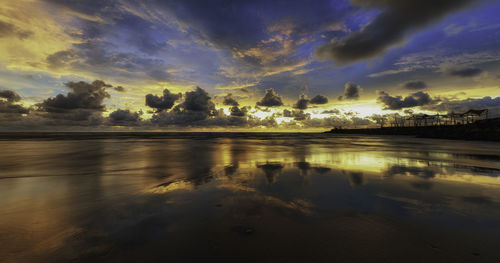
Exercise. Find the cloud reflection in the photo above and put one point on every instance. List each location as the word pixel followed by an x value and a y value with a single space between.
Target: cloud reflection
pixel 134 194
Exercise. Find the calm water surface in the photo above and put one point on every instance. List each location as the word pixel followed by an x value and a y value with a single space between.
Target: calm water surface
pixel 249 198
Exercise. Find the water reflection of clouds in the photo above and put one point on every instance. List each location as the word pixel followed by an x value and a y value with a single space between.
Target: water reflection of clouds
pixel 201 161
pixel 284 173
pixel 127 182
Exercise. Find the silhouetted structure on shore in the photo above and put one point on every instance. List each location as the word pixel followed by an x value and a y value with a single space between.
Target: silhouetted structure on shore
pixel 418 120
pixel 470 125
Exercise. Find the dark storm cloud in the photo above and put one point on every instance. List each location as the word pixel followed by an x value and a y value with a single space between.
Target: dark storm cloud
pixel 239 112
pixel 270 99
pixel 164 102
pixel 199 119
pixel 124 117
pixel 10 108
pixel 198 110
pixel 319 99
pixel 464 72
pixel 302 103
pixel 7 29
pixel 398 102
pixel 415 85
pixel 198 100
pixel 459 106
pixel 351 91
pixel 83 105
pixel 7 103
pixel 74 117
pixel 396 19
pixel 83 95
pixel 183 118
pixel 230 101
pixel 197 106
pixel 10 95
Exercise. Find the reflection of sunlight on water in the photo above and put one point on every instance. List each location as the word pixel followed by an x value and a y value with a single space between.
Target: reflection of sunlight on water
pixel 173 186
pixel 57 192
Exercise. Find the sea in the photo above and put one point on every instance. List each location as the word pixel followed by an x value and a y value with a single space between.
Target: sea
pixel 247 197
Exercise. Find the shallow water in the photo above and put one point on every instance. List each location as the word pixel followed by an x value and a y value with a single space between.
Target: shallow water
pixel 248 198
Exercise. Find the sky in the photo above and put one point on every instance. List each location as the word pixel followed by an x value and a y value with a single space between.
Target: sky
pixel 243 65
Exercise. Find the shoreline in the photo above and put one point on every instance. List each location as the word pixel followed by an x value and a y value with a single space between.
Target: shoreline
pixel 483 130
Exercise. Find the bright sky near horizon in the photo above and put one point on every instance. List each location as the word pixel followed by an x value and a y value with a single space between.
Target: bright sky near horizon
pixel 282 65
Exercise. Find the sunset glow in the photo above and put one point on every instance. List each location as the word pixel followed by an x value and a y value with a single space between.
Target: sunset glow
pixel 146 47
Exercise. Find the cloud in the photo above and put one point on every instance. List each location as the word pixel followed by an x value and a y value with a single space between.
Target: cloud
pixel 183 118
pixel 198 100
pixel 124 118
pixel 10 108
pixel 395 20
pixel 83 95
pixel 319 99
pixel 271 43
pixel 334 121
pixel 270 99
pixel 297 115
pixel 119 89
pixel 460 106
pixel 230 101
pixel 351 91
pixel 302 103
pixel 333 111
pixel 7 29
pixel 162 103
pixel 197 106
pixel 198 110
pixel 239 112
pixel 415 85
pixel 464 72
pixel 398 102
pixel 7 106
pixel 83 105
pixel 74 117
pixel 230 28
pixel 61 58
pixel 101 57
pixel 9 95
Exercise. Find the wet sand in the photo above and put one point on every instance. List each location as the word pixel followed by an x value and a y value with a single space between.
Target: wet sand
pixel 249 198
